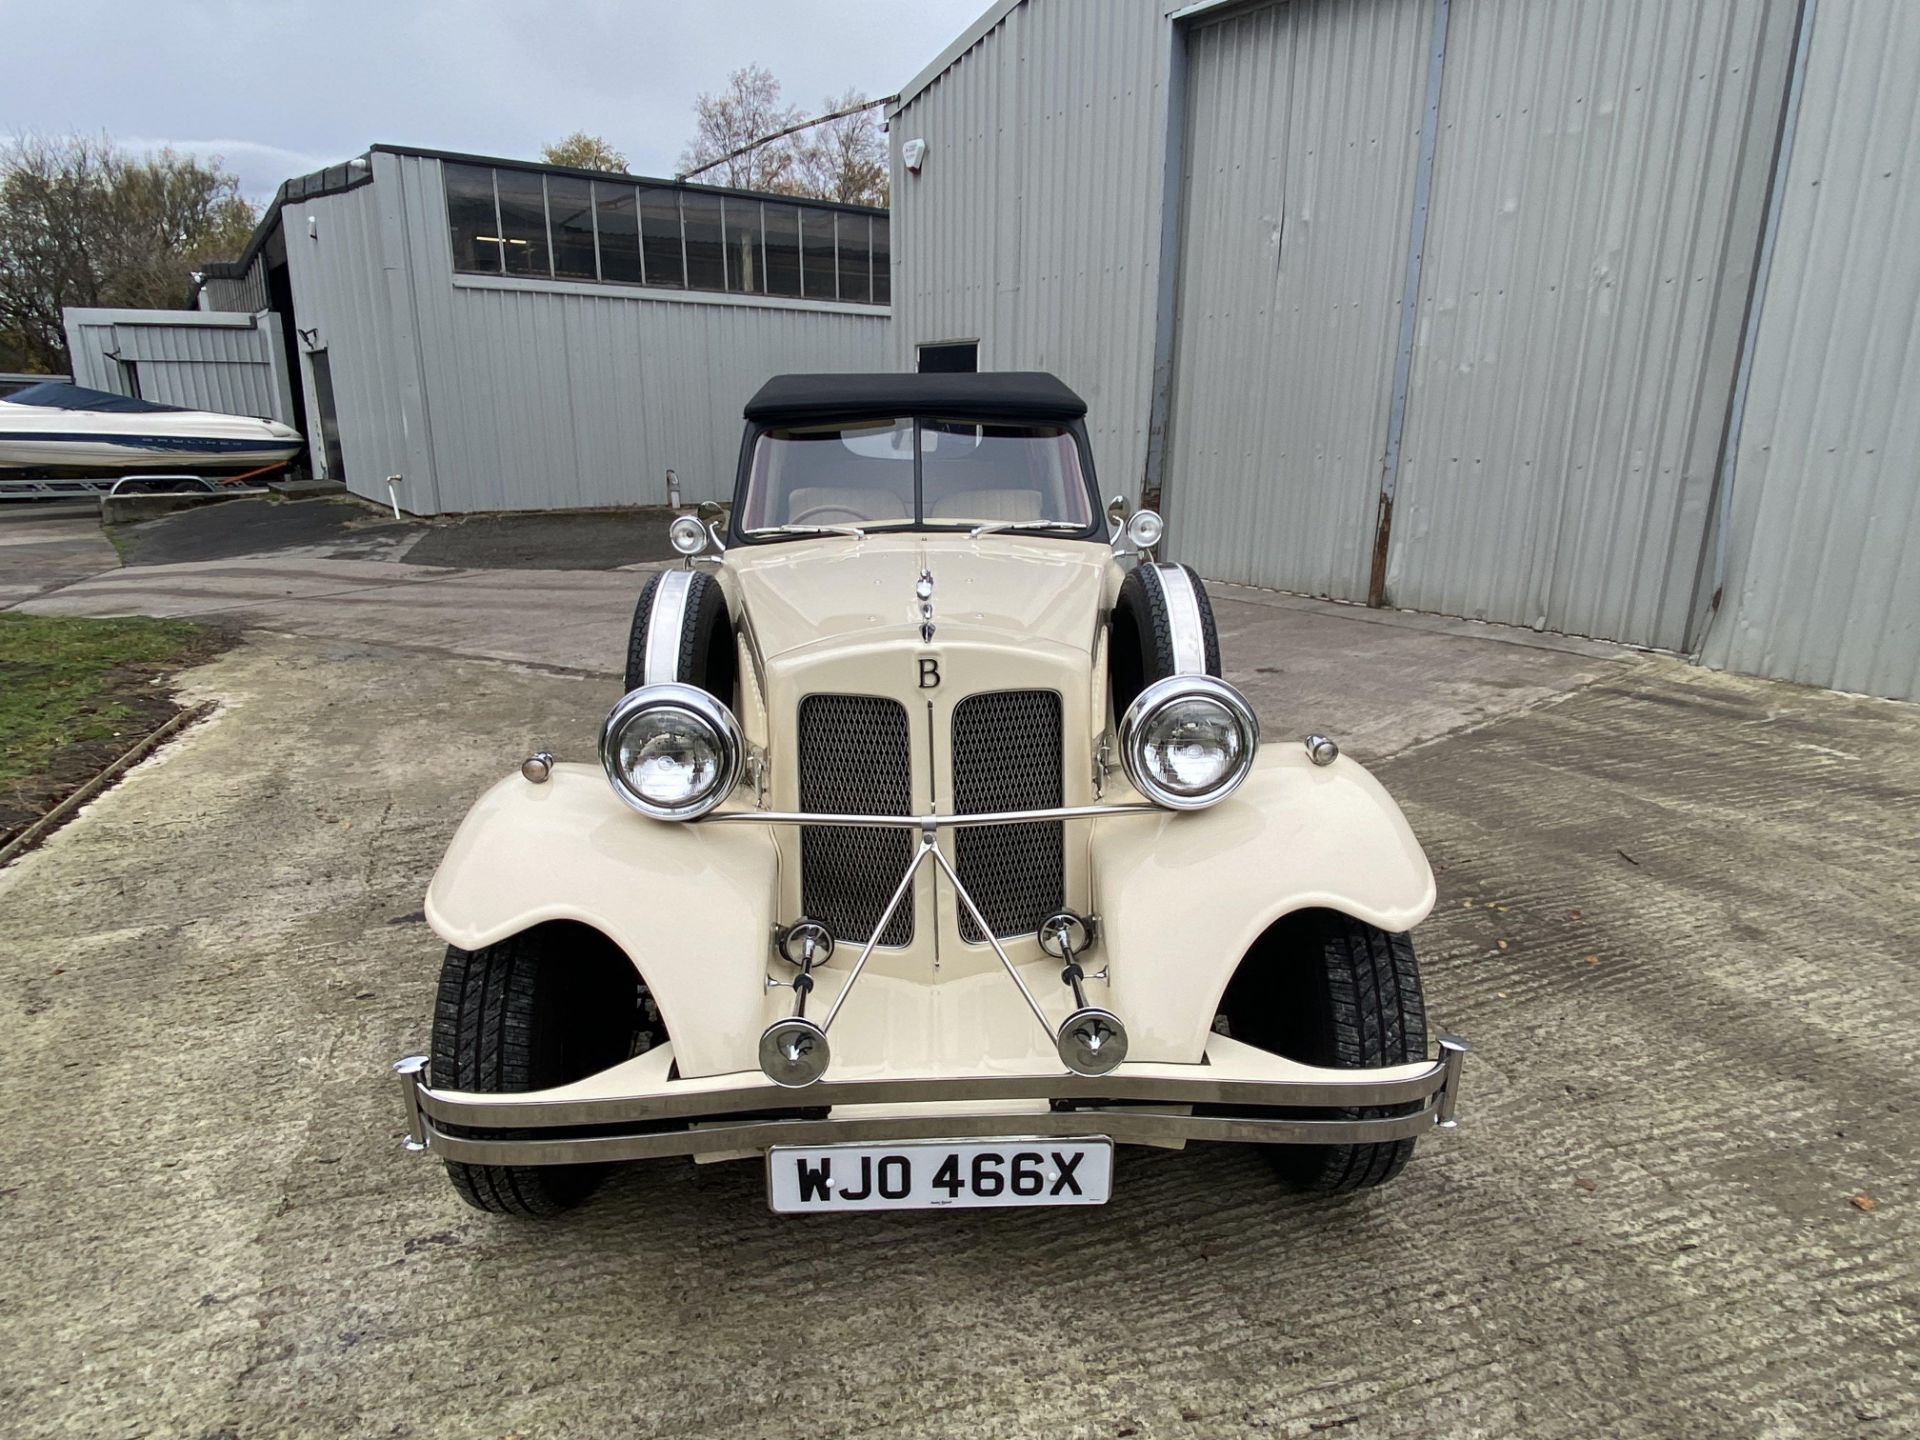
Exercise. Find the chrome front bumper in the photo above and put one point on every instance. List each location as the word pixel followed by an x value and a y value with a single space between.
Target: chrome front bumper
pixel 1144 1103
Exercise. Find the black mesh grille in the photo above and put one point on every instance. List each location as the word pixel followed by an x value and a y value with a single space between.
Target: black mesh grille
pixel 1006 756
pixel 854 760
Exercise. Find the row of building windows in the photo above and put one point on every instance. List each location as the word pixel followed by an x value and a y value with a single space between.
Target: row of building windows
pixel 567 227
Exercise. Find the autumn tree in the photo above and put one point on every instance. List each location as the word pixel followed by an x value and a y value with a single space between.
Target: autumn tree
pixel 747 110
pixel 83 223
pixel 844 158
pixel 581 151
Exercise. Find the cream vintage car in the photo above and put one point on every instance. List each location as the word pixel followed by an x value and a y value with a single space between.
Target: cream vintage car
pixel 926 857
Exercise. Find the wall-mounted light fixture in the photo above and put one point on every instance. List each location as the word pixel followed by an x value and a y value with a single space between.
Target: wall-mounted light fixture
pixel 913 155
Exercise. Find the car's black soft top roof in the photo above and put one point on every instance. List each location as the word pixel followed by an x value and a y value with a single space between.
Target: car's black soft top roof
pixel 995 395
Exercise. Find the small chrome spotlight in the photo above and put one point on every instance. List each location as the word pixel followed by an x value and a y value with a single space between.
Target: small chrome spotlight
pixel 1144 529
pixel 794 1052
pixel 536 768
pixel 1321 750
pixel 1092 1041
pixel 687 535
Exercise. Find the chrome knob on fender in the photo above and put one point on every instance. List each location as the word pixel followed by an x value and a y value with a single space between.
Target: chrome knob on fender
pixel 1321 750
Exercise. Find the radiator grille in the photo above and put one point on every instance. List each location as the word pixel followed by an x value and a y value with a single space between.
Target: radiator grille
pixel 854 759
pixel 1006 756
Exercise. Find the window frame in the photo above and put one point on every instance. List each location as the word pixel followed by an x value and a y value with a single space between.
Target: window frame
pixel 1095 530
pixel 641 189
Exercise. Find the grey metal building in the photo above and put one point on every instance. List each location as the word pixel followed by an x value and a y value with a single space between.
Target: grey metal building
pixel 508 336
pixel 1589 317
pixel 234 363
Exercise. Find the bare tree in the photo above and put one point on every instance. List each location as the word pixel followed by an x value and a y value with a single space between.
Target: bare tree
pixel 582 151
pixel 746 110
pixel 845 158
pixel 82 223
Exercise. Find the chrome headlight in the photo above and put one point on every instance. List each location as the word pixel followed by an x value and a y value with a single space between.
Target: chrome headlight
pixel 672 751
pixel 1188 741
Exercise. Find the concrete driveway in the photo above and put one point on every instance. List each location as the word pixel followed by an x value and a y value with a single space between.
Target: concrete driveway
pixel 1675 919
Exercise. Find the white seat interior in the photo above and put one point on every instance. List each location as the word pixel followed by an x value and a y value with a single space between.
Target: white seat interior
pixel 841 503
pixel 989 505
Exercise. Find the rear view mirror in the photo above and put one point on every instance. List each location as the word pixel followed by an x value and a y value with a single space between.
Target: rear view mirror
pixel 1116 514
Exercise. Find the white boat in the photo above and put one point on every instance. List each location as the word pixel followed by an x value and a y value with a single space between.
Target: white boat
pixel 68 429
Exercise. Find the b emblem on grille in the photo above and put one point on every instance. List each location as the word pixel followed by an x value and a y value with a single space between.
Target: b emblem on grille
pixel 929 672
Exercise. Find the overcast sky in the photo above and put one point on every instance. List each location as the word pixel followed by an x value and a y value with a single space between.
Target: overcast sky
pixel 280 88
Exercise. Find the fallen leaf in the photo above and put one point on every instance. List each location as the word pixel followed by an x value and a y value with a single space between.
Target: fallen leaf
pixel 1501 908
pixel 1862 1202
pixel 1501 943
pixel 1586 1182
pixel 1593 959
pixel 1573 914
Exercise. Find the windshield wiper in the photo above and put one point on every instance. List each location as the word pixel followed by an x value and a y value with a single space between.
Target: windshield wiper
pixel 993 527
pixel 853 530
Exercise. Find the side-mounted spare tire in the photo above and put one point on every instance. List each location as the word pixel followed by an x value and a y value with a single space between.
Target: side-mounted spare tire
pixel 1162 625
pixel 682 632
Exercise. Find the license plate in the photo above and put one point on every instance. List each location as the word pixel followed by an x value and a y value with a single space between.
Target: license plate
pixel 939 1174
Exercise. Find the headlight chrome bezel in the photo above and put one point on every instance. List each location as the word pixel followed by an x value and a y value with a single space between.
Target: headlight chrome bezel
pixel 1136 728
pixel 689 701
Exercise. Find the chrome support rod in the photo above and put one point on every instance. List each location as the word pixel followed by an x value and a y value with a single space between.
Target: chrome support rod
pixel 803 982
pixel 927 847
pixel 986 930
pixel 929 822
pixel 1071 971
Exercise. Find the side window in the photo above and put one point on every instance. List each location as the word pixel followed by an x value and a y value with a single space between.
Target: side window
pixel 507 220
pixel 617 219
pixel 950 357
pixel 472 220
pixel 523 221
pixel 660 237
pixel 570 206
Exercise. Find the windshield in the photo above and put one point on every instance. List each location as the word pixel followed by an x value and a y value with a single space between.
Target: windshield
pixel 925 473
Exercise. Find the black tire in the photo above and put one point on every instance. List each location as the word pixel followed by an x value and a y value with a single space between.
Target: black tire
pixel 551 1005
pixel 707 658
pixel 1326 989
pixel 1140 638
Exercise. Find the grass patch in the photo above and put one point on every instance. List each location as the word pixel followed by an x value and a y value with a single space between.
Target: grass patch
pixel 74 694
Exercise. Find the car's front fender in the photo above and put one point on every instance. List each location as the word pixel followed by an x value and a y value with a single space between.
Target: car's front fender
pixel 691 905
pixel 1182 896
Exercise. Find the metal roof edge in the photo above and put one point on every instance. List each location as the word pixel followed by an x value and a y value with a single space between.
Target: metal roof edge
pixel 130 315
pixel 945 60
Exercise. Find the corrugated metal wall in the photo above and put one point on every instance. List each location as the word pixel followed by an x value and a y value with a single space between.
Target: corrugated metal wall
pixel 1302 131
pixel 546 395
pixel 1598 196
pixel 231 364
pixel 1034 224
pixel 1598 191
pixel 244 293
pixel 342 304
pixel 1823 579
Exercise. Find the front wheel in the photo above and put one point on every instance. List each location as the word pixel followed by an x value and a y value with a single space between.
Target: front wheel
pixel 1326 989
pixel 545 1007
